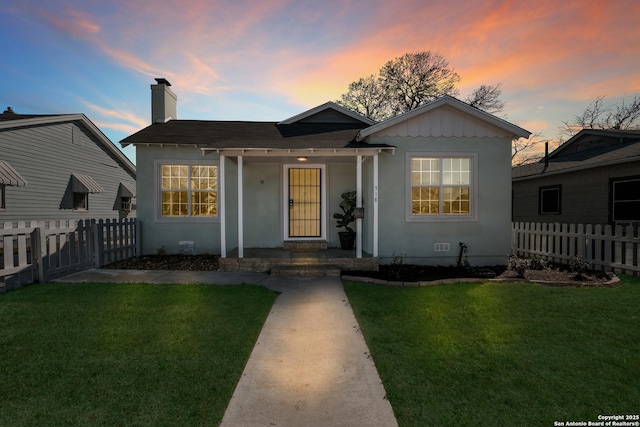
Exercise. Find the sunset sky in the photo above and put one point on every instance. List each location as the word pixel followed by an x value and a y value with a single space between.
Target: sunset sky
pixel 272 59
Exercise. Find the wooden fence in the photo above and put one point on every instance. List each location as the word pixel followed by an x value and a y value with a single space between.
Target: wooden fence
pixel 605 248
pixel 37 251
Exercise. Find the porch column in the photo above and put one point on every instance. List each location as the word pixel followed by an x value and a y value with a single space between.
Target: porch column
pixel 359 205
pixel 222 209
pixel 240 206
pixel 375 205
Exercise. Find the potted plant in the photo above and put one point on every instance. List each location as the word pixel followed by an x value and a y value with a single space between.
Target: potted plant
pixel 346 217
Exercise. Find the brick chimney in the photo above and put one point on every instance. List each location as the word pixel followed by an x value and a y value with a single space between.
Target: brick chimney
pixel 163 102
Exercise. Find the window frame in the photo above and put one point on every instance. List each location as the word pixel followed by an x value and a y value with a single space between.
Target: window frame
pixel 158 190
pixel 612 201
pixel 473 187
pixel 85 201
pixel 558 188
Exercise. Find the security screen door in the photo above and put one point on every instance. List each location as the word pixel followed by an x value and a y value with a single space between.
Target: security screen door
pixel 305 202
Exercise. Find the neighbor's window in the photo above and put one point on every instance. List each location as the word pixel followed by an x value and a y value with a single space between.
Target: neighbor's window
pixel 550 199
pixel 2 203
pixel 625 196
pixel 441 187
pixel 189 191
pixel 80 201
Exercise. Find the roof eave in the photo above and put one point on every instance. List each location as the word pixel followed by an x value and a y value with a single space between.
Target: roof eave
pixel 514 130
pixel 73 117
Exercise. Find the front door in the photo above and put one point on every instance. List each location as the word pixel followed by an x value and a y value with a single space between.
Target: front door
pixel 304 202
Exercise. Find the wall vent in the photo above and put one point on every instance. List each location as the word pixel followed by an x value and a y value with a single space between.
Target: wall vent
pixel 441 247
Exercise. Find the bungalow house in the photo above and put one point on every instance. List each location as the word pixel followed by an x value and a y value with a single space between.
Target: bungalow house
pixel 427 180
pixel 61 167
pixel 593 178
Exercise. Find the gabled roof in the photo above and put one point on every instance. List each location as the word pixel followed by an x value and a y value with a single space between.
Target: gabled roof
pixel 15 121
pixel 323 108
pixel 515 131
pixel 589 148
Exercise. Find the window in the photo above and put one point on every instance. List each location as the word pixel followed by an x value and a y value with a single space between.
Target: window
pixel 441 187
pixel 550 200
pixel 80 201
pixel 2 203
pixel 625 199
pixel 189 191
pixel 125 203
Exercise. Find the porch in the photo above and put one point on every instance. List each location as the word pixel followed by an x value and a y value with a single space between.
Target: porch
pixel 298 262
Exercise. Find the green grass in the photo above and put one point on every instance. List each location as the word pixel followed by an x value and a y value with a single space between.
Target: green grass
pixel 125 354
pixel 503 354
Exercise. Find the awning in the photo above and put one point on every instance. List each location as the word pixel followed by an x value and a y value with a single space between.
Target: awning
pixel 84 184
pixel 9 176
pixel 126 190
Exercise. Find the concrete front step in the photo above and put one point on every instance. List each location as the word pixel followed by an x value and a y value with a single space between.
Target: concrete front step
pixel 288 270
pixel 305 245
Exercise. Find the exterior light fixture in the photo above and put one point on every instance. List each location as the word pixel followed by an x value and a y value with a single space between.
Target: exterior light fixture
pixel 302 159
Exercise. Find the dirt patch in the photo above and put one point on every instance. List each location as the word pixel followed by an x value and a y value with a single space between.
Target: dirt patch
pixel 561 277
pixel 203 262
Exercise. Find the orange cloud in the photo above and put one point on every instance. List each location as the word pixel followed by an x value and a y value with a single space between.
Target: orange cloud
pixel 137 123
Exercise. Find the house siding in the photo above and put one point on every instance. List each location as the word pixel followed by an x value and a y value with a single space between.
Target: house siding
pixel 487 237
pixel 46 156
pixel 585 195
pixel 263 202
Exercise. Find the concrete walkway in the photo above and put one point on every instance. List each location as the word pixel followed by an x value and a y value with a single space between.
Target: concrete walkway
pixel 310 365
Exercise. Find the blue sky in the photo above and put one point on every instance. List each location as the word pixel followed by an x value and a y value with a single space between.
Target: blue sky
pixel 269 60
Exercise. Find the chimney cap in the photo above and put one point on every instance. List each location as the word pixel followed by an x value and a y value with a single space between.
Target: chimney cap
pixel 163 81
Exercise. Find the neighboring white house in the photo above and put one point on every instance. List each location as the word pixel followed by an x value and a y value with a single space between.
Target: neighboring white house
pixel 427 179
pixel 61 167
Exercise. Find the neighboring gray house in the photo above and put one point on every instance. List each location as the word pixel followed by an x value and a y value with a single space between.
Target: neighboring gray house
pixel 427 179
pixel 593 178
pixel 61 167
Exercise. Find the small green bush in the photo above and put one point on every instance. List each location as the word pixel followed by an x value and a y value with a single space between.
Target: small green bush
pixel 537 262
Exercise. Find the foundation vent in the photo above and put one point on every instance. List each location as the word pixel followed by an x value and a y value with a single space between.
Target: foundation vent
pixel 441 247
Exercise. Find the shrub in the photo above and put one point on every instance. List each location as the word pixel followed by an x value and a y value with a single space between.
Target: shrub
pixel 519 265
pixel 537 262
pixel 579 266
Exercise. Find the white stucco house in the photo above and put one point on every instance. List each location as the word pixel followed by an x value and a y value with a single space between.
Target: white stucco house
pixel 427 180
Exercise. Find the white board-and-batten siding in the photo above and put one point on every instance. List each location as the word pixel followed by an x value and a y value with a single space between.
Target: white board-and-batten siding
pixel 443 122
pixel 46 156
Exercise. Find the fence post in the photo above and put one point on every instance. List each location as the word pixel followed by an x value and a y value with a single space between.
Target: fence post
pixel 138 231
pixel 97 243
pixel 39 248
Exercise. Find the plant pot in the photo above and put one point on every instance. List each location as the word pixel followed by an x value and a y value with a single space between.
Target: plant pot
pixel 347 239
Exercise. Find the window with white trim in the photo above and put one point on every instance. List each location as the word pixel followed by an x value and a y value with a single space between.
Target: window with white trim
pixel 441 187
pixel 625 199
pixel 189 190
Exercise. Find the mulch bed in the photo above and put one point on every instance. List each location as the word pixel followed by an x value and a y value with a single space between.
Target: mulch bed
pixel 405 273
pixel 203 262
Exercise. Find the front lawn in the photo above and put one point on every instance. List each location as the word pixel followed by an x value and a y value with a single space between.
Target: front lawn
pixel 503 354
pixel 125 354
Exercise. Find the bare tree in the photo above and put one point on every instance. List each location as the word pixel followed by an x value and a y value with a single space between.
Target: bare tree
pixel 401 85
pixel 415 79
pixel 597 115
pixel 486 98
pixel 367 97
pixel 525 151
